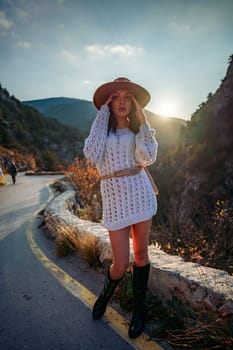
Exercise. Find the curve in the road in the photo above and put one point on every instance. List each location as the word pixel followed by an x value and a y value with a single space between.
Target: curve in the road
pixel 112 317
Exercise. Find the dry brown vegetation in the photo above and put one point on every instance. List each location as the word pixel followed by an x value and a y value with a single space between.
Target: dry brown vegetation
pixel 69 240
pixel 180 326
pixel 84 177
pixel 209 242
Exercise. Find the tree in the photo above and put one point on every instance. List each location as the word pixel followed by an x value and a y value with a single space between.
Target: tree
pixel 50 161
pixel 230 59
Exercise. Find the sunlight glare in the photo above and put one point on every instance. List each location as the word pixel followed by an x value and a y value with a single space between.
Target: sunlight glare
pixel 167 108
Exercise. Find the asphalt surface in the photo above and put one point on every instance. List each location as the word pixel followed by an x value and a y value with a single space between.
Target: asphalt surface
pixel 36 311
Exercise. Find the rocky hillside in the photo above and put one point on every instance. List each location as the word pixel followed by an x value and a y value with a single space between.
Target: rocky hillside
pixel 25 130
pixel 196 179
pixel 208 144
pixel 24 161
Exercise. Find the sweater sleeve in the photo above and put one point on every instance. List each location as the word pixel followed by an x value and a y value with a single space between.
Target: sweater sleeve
pixel 146 146
pixel 94 144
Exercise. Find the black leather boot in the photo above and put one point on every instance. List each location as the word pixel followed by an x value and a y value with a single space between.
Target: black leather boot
pixel 140 279
pixel 106 293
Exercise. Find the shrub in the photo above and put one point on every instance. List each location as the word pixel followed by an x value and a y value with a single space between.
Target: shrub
pixel 85 178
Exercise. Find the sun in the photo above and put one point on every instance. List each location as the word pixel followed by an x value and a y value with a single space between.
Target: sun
pixel 167 108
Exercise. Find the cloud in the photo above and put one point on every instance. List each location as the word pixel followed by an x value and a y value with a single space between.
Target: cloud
pixel 179 26
pixel 4 22
pixel 71 57
pixel 120 50
pixel 74 57
pixel 23 44
pixel 21 14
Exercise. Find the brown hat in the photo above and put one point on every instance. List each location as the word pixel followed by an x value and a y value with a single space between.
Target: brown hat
pixel 104 91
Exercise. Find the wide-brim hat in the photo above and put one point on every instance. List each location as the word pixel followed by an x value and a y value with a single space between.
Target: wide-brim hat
pixel 104 91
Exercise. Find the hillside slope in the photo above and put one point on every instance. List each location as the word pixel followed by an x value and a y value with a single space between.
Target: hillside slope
pixel 196 179
pixel 69 111
pixel 25 129
pixel 81 113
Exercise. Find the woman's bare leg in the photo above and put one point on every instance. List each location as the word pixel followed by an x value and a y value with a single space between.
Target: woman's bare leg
pixel 140 235
pixel 120 248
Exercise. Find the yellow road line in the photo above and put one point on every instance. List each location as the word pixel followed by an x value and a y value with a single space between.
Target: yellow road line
pixel 114 319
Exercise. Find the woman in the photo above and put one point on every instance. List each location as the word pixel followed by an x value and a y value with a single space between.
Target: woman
pixel 121 144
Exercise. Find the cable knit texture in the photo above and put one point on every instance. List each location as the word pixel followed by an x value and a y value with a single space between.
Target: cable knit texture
pixel 128 199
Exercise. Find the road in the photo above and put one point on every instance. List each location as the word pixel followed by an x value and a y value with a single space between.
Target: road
pixel 36 311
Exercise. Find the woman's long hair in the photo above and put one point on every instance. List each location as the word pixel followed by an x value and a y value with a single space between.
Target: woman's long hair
pixel 134 123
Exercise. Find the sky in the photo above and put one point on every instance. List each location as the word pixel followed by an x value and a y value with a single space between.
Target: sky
pixel 177 49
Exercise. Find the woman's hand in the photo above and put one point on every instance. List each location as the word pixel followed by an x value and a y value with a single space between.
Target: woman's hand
pixel 139 111
pixel 109 100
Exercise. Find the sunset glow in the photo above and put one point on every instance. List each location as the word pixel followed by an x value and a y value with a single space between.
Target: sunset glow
pixel 167 108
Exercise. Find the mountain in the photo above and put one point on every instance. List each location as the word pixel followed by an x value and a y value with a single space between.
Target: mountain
pixel 167 131
pixel 69 111
pixel 81 113
pixel 25 129
pixel 196 179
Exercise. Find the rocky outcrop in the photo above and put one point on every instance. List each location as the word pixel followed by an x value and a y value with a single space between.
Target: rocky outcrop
pixel 201 180
pixel 22 161
pixel 223 97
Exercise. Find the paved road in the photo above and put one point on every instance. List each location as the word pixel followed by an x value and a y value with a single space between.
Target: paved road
pixel 36 312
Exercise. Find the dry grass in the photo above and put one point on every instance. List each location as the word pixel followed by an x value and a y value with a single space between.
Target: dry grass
pixel 124 293
pixel 202 336
pixel 209 242
pixel 69 240
pixel 177 323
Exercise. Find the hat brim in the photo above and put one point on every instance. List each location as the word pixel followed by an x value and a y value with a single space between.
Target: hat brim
pixel 104 91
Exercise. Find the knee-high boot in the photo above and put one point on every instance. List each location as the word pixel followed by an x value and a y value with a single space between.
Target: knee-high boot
pixel 106 293
pixel 140 279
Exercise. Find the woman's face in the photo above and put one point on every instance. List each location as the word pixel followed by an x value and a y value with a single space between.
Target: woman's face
pixel 121 103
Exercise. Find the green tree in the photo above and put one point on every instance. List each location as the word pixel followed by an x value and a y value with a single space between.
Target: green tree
pixel 50 161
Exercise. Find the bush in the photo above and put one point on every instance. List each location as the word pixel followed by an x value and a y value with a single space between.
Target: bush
pixel 50 161
pixel 85 178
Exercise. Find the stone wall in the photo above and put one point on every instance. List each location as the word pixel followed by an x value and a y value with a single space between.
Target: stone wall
pixel 201 288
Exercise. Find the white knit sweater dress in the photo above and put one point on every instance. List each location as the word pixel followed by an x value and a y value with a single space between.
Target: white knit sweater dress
pixel 130 199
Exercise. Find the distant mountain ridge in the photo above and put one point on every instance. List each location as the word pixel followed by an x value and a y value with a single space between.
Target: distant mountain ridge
pixel 81 113
pixel 73 112
pixel 60 125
